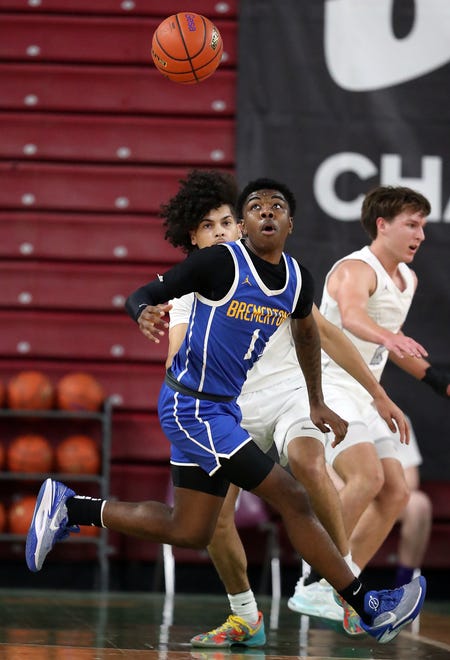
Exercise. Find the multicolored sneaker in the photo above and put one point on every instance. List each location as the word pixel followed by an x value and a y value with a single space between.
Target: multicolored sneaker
pixel 352 620
pixel 234 631
pixel 49 523
pixel 315 599
pixel 394 609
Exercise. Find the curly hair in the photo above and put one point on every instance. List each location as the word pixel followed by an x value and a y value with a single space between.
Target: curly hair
pixel 201 191
pixel 265 184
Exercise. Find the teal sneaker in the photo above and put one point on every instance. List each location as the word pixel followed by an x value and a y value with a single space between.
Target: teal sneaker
pixel 235 630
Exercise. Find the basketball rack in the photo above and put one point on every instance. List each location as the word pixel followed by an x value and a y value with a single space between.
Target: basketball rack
pixel 104 417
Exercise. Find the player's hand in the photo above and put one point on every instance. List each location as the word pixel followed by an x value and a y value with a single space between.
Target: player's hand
pixel 151 321
pixel 327 420
pixel 404 346
pixel 392 415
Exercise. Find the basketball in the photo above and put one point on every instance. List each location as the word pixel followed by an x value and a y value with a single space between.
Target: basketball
pixel 30 390
pixel 79 391
pixel 187 48
pixel 29 453
pixel 20 514
pixel 78 454
pixel 2 518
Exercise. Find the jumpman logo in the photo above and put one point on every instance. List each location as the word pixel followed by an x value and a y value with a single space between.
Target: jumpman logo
pixel 247 281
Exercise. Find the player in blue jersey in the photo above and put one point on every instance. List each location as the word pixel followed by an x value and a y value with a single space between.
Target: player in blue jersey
pixel 244 292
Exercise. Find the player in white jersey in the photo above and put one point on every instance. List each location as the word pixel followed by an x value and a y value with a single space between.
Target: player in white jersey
pixel 368 294
pixel 275 408
pixel 209 444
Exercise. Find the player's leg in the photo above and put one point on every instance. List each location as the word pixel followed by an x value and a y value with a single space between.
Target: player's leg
pixel 415 529
pixel 362 475
pixel 379 517
pixel 245 624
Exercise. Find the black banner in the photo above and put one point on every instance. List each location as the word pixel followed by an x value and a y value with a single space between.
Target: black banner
pixel 334 98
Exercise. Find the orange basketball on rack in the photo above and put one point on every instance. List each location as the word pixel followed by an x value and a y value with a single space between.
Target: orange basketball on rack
pixel 78 454
pixel 79 391
pixel 2 518
pixel 20 514
pixel 187 47
pixel 29 453
pixel 30 390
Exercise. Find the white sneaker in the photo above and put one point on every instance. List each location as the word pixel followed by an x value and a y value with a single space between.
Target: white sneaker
pixel 315 599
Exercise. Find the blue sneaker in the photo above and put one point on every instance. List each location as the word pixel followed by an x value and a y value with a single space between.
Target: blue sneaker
pixel 49 523
pixel 393 610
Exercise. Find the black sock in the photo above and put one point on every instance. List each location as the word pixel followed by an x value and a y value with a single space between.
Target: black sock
pixel 313 576
pixel 84 510
pixel 354 595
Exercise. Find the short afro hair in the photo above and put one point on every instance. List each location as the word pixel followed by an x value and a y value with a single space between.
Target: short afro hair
pixel 265 183
pixel 199 193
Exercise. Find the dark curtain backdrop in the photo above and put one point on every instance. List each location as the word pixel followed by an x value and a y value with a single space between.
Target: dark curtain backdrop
pixel 335 97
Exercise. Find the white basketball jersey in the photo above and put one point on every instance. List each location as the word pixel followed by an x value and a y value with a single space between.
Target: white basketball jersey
pixel 387 307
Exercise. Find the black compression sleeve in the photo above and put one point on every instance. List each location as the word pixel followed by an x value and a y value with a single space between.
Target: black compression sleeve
pixel 306 298
pixel 209 271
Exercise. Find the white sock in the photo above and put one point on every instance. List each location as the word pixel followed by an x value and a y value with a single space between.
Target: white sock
pixel 244 605
pixel 348 560
pixel 356 569
pixel 306 569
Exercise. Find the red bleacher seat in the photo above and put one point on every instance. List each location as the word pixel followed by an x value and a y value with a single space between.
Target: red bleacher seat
pixel 79 39
pixel 42 335
pixel 138 437
pixel 124 89
pixel 227 9
pixel 160 141
pixel 85 237
pixel 71 286
pixel 86 187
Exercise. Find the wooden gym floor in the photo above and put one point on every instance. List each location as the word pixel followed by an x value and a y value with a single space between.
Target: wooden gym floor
pixel 63 625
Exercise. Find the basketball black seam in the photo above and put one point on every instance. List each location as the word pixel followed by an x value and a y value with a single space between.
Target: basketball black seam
pixel 185 47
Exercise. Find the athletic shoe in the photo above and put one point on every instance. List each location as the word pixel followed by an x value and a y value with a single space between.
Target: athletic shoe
pixel 315 599
pixel 235 630
pixel 49 523
pixel 394 609
pixel 351 622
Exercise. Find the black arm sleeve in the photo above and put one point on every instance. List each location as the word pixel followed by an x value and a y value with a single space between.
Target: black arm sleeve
pixel 210 272
pixel 306 298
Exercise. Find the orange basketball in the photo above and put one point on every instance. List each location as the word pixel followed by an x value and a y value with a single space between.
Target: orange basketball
pixel 20 514
pixel 78 454
pixel 187 47
pixel 30 390
pixel 29 453
pixel 2 518
pixel 79 391
pixel 89 530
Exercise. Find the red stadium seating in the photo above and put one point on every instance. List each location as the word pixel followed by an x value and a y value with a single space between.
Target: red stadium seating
pixel 160 141
pixel 86 187
pixel 227 9
pixel 80 39
pixel 70 286
pixel 84 237
pixel 124 89
pixel 68 336
pixel 138 437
